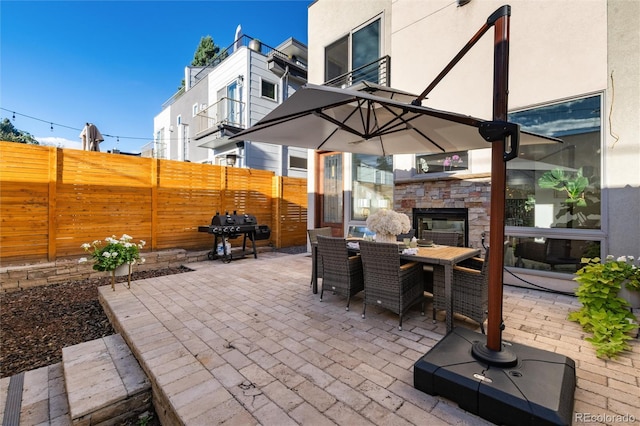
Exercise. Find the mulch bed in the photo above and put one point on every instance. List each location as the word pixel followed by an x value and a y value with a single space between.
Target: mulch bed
pixel 35 324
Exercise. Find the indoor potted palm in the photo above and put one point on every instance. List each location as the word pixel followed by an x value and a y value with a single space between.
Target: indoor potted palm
pixel 114 255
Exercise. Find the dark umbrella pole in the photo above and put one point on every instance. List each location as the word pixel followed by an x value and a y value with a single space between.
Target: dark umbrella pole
pixel 495 132
pixel 498 193
pixel 510 383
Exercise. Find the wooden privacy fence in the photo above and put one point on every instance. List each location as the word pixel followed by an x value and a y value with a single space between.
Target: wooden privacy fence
pixel 53 200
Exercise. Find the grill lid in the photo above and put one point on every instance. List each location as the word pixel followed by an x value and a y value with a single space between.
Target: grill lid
pixel 233 219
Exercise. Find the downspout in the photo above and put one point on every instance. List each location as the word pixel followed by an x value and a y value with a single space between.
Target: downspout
pixel 284 84
pixel 285 87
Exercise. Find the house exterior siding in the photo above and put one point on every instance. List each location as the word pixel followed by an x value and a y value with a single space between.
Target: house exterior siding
pixel 246 69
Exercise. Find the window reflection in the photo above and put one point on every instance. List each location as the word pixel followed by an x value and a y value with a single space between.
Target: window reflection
pixel 372 185
pixel 557 185
pixel 549 254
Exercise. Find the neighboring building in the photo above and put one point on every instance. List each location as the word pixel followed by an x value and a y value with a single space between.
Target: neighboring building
pixel 245 82
pixel 574 74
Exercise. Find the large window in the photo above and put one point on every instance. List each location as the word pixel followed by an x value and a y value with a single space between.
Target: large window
pixel 557 185
pixel 372 185
pixel 364 45
pixel 553 196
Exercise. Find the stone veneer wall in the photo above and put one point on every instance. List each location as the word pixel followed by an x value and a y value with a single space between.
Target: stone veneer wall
pixel 15 278
pixel 473 192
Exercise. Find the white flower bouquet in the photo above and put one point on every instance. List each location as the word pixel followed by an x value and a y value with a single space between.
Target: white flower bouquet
pixel 385 221
pixel 114 253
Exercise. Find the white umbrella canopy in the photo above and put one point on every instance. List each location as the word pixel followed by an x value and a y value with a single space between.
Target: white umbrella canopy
pixel 369 119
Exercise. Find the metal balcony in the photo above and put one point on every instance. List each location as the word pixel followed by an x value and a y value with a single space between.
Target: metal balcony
pixel 378 72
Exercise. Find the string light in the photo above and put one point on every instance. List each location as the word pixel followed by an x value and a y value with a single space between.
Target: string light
pixel 68 127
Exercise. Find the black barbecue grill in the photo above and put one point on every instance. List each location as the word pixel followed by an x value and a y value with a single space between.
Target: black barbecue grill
pixel 230 226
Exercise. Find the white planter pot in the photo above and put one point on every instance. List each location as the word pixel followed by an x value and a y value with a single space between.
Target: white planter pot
pixel 122 270
pixel 385 238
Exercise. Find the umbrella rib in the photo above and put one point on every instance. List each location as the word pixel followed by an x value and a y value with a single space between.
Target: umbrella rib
pixel 338 123
pixel 327 138
pixel 274 122
pixel 388 128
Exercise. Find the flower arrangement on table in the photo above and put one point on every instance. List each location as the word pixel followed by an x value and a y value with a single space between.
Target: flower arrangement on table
pixel 112 253
pixel 606 302
pixel 387 224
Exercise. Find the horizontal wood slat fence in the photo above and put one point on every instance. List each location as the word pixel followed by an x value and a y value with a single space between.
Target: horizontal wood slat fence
pixel 53 200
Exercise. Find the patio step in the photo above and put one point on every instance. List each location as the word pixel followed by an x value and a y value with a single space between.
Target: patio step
pixel 104 382
pixel 98 382
pixel 34 397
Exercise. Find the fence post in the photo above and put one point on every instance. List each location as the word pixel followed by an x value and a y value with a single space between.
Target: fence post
pixel 52 251
pixel 155 169
pixel 276 196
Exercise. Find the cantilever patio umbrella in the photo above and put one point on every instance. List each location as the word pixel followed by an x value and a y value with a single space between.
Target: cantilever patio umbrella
pixel 370 119
pixel 463 366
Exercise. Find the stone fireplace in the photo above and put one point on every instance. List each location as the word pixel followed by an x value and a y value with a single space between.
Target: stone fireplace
pixel 448 196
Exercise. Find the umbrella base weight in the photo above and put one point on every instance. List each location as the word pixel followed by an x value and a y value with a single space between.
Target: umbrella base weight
pixel 537 389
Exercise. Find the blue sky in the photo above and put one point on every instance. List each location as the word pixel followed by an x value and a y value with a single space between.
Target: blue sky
pixel 114 63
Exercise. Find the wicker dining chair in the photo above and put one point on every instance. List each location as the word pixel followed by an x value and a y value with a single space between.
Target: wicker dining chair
pixel 444 238
pixel 470 289
pixel 387 282
pixel 341 273
pixel 313 239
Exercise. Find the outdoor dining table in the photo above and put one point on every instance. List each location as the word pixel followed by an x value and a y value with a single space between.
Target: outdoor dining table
pixel 443 257
pixel 436 255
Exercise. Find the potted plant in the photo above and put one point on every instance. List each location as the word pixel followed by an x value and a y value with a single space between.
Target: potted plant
pixel 387 224
pixel 604 313
pixel 113 254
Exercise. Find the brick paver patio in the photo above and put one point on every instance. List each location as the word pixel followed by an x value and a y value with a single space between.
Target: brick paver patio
pixel 248 343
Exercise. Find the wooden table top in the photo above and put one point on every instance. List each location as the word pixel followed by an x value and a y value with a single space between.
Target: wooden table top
pixel 442 255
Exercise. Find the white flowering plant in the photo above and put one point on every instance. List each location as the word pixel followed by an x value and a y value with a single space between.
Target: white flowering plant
pixel 111 253
pixel 385 221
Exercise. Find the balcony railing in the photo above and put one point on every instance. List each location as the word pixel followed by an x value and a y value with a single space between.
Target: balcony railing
pixel 155 149
pixel 226 111
pixel 378 72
